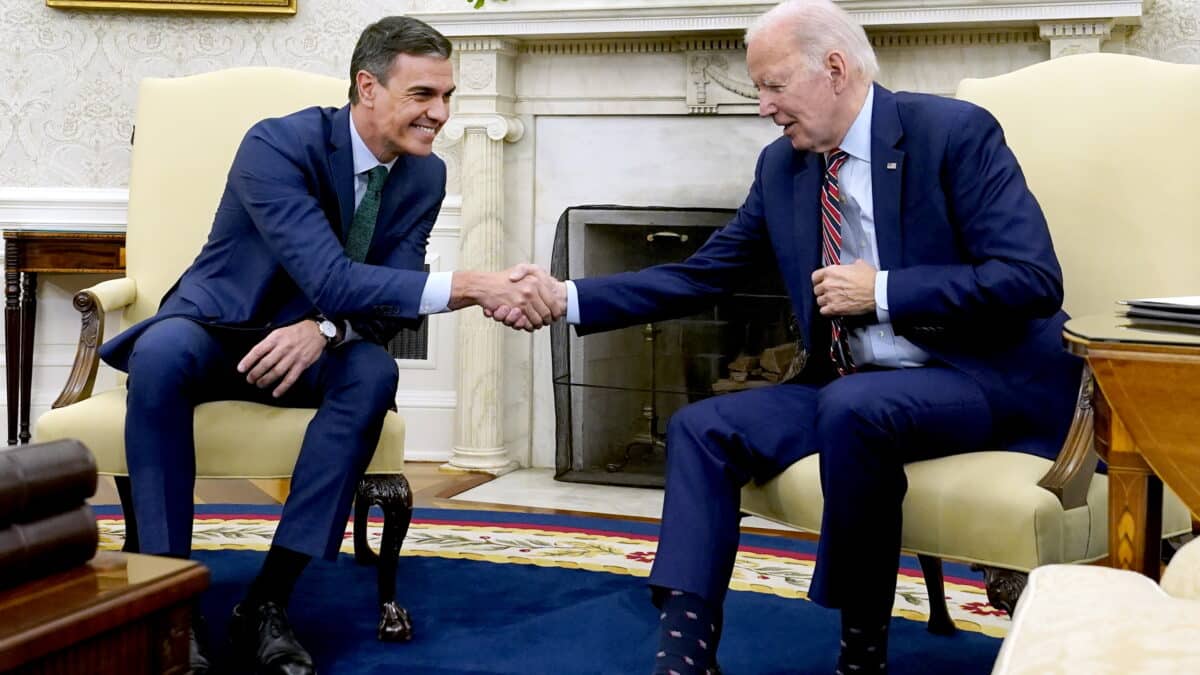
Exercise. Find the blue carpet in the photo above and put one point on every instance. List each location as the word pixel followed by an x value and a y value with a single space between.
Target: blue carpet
pixel 482 617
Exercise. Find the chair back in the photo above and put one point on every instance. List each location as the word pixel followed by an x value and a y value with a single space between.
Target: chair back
pixel 1109 145
pixel 187 131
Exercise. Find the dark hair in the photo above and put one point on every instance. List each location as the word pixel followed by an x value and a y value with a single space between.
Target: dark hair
pixel 387 38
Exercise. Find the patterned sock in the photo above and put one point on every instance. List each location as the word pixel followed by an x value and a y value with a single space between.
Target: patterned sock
pixel 690 631
pixel 277 577
pixel 864 644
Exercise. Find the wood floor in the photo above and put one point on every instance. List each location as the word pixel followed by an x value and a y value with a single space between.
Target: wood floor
pixel 431 487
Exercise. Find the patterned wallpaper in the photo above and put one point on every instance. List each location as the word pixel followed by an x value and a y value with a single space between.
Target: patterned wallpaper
pixel 68 78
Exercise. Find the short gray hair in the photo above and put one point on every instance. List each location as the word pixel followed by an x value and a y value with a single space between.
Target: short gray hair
pixel 819 27
pixel 387 38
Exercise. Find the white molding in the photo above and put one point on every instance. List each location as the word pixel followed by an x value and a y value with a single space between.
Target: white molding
pixel 427 399
pixel 541 19
pixel 425 455
pixel 74 209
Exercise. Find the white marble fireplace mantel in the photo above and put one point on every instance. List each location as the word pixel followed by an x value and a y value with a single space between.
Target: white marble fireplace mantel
pixel 647 103
pixel 598 18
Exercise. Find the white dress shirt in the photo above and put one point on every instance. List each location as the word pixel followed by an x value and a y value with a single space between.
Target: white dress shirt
pixel 878 343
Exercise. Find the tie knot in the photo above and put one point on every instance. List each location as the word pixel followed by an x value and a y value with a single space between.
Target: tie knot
pixel 834 161
pixel 375 178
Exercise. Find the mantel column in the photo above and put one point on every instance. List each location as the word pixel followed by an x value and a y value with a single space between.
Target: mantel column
pixel 479 433
pixel 1075 37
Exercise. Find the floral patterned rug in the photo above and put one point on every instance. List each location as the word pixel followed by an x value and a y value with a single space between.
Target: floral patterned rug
pixel 777 566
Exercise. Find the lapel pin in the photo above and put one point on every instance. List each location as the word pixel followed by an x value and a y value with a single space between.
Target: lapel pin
pixel 891 166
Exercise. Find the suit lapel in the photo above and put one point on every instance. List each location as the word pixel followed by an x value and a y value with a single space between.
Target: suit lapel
pixel 806 233
pixel 341 168
pixel 887 169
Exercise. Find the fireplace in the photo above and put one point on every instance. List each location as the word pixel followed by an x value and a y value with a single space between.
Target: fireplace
pixel 614 392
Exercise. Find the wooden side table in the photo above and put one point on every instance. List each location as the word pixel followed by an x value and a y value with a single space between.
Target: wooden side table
pixel 26 253
pixel 122 613
pixel 1147 427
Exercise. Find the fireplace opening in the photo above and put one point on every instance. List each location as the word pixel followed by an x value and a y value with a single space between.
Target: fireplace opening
pixel 614 392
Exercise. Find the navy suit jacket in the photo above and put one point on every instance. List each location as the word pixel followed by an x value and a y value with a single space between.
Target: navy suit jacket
pixel 275 253
pixel 972 274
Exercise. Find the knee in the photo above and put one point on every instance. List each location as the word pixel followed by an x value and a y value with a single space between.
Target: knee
pixel 167 352
pixel 374 377
pixel 692 420
pixel 846 409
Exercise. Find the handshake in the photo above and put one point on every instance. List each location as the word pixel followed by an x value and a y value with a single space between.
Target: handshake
pixel 523 297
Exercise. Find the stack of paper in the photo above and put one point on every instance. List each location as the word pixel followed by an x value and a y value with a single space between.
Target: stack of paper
pixel 1175 312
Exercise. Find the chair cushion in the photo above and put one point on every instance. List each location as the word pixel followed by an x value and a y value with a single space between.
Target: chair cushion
pixel 234 439
pixel 981 507
pixel 1086 619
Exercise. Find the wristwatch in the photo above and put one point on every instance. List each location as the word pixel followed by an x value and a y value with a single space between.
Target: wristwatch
pixel 328 330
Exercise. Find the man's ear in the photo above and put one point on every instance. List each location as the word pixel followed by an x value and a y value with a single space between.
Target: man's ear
pixel 366 84
pixel 838 70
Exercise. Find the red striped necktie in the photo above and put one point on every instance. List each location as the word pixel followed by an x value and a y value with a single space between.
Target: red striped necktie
pixel 831 250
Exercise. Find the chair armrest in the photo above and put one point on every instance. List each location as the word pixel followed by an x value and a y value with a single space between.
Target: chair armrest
pixel 1071 475
pixel 91 303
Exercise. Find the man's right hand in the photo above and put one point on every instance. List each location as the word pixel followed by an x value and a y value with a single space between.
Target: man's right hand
pixel 523 297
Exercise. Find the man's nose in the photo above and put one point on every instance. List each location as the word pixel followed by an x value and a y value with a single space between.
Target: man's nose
pixel 439 111
pixel 766 105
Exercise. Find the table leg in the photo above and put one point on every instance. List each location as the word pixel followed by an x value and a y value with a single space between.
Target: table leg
pixel 28 320
pixel 12 332
pixel 1134 497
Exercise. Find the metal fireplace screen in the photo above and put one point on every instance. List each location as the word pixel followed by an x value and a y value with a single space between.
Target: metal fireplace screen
pixel 614 392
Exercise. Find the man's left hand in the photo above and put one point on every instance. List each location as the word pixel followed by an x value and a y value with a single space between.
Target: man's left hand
pixel 283 356
pixel 845 290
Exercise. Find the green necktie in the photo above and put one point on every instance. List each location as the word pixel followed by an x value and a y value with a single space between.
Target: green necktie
pixel 358 239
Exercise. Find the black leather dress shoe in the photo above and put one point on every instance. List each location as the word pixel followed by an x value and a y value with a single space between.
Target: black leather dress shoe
pixel 197 655
pixel 262 639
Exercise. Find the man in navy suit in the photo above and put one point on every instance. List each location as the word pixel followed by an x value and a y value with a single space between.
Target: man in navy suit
pixel 314 262
pixel 928 296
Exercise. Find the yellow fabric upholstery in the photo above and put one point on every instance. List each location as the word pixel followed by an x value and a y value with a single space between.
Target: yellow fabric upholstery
pixel 234 439
pixel 1107 143
pixel 980 507
pixel 187 130
pixel 1084 620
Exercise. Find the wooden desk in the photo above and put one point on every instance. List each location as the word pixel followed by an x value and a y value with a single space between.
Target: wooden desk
pixel 1147 419
pixel 26 253
pixel 122 613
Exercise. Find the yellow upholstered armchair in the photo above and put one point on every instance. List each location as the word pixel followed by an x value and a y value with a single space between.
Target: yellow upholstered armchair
pixel 187 131
pixel 1108 144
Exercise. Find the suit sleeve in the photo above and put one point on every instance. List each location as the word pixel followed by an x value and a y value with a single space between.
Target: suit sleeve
pixel 382 330
pixel 673 290
pixel 269 180
pixel 1009 269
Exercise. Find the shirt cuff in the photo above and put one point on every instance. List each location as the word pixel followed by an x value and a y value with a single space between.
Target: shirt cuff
pixel 572 303
pixel 881 303
pixel 435 297
pixel 348 333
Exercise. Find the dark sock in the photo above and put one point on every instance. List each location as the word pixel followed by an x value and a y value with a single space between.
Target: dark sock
pixel 277 577
pixel 691 628
pixel 864 642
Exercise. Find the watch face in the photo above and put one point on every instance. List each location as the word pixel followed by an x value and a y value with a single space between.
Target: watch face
pixel 327 329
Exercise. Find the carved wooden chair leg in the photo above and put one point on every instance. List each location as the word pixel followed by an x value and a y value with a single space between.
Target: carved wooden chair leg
pixel 940 622
pixel 125 492
pixel 1004 587
pixel 393 495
